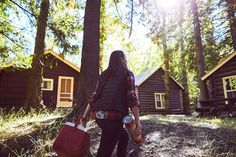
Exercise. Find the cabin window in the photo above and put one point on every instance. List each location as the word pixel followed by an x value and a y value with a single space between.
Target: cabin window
pixel 160 100
pixel 47 84
pixel 230 86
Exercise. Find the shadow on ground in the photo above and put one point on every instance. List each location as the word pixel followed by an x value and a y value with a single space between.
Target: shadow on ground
pixel 183 139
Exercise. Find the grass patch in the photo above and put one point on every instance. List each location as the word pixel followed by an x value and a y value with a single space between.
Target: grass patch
pixel 18 123
pixel 211 122
pixel 33 132
pixel 223 122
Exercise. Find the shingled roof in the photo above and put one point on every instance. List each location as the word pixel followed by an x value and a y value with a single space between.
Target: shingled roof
pixel 220 64
pixel 139 79
pixel 56 55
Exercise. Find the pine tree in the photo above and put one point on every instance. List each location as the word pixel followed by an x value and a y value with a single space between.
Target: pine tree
pixel 166 63
pixel 199 50
pixel 231 9
pixel 186 103
pixel 90 54
pixel 34 92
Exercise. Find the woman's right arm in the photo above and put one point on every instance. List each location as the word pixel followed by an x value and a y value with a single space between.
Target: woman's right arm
pixel 83 120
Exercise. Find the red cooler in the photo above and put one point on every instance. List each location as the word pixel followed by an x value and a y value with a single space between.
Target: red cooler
pixel 72 141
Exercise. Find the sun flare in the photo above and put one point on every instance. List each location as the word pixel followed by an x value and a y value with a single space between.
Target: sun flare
pixel 167 4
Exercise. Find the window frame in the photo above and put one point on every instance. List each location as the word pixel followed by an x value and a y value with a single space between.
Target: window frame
pixel 162 105
pixel 224 85
pixel 48 80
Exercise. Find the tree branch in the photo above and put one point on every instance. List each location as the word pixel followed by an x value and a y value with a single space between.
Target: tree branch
pixel 117 10
pixel 131 18
pixel 26 11
pixel 22 8
pixel 12 40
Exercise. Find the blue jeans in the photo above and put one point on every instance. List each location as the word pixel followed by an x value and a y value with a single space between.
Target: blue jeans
pixel 112 133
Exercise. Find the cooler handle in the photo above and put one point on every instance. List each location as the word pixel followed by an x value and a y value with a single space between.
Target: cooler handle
pixel 77 121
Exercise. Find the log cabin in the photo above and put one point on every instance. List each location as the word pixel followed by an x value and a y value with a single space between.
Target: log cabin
pixel 151 92
pixel 59 88
pixel 221 81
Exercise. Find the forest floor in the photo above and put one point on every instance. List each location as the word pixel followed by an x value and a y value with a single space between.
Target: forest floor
pixel 181 136
pixel 163 136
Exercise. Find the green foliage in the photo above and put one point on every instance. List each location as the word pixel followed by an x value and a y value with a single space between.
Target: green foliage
pixel 144 51
pixel 214 51
pixel 65 25
pixel 215 36
pixel 18 26
pixel 103 33
pixel 10 36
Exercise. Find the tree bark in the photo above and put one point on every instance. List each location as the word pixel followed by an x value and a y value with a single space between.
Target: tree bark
pixel 90 55
pixel 34 92
pixel 186 103
pixel 232 21
pixel 199 51
pixel 166 65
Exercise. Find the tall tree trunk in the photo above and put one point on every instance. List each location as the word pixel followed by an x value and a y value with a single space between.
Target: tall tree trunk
pixel 186 103
pixel 34 92
pixel 166 64
pixel 232 20
pixel 199 51
pixel 90 55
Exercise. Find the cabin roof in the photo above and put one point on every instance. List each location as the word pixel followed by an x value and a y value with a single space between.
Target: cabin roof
pixel 139 79
pixel 15 66
pixel 220 64
pixel 62 59
pixel 53 54
pixel 6 66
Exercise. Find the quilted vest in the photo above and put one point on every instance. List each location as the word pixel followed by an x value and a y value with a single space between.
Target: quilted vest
pixel 113 94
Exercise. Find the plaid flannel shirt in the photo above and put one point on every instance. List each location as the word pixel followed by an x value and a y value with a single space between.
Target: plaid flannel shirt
pixel 131 100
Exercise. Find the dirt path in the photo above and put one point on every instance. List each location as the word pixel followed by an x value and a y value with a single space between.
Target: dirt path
pixel 179 136
pixel 164 136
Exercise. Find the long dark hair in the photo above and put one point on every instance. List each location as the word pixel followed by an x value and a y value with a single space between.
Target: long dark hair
pixel 116 62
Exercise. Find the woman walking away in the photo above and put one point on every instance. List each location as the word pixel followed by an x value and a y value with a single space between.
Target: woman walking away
pixel 110 103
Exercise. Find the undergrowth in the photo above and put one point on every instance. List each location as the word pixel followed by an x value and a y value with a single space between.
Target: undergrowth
pixel 39 128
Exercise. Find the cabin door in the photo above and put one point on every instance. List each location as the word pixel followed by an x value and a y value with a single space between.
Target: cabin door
pixel 65 91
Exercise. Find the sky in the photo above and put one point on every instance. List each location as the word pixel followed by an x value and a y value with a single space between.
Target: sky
pixel 143 45
pixel 138 37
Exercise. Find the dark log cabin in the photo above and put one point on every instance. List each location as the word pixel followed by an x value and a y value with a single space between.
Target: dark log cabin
pixel 222 82
pixel 60 83
pixel 151 91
